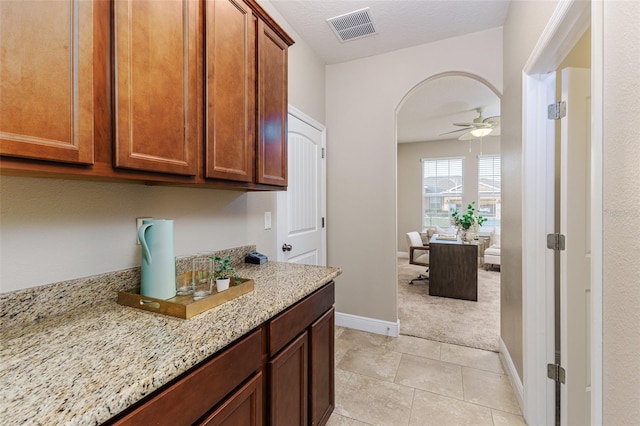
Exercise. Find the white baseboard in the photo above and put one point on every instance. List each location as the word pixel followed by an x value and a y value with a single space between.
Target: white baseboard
pixel 510 368
pixel 372 325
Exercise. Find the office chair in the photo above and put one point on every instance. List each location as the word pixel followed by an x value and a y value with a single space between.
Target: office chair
pixel 418 254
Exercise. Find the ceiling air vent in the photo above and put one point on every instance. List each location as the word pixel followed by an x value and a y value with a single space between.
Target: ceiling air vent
pixel 353 25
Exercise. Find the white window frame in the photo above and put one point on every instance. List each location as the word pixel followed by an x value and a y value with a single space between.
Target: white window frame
pixel 422 188
pixel 487 228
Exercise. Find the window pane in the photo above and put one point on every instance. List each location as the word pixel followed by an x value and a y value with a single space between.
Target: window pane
pixel 442 190
pixel 489 190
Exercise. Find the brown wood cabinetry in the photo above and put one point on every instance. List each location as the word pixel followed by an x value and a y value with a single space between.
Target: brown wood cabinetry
pixel 243 408
pixel 272 107
pixel 301 367
pixel 156 76
pixel 322 368
pixel 230 90
pixel 288 384
pixel 46 80
pixel 180 92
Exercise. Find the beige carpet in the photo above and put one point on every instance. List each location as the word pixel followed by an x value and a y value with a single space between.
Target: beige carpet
pixel 461 322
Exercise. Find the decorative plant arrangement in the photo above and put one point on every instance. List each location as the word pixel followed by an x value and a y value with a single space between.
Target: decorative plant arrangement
pixel 468 222
pixel 223 271
pixel 214 270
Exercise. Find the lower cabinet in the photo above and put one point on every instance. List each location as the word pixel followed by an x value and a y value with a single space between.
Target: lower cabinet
pixel 288 384
pixel 322 369
pixel 243 408
pixel 301 362
pixel 280 374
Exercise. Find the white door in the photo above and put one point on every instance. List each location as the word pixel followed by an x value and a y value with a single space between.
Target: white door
pixel 575 260
pixel 301 209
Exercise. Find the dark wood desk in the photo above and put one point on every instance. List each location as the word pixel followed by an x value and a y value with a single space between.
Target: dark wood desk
pixel 453 269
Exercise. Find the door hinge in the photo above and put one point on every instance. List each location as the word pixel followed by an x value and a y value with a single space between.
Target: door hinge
pixel 556 373
pixel 557 110
pixel 322 152
pixel 556 242
pixel 323 222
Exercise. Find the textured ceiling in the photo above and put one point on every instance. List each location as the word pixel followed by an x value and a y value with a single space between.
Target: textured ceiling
pixel 435 106
pixel 399 23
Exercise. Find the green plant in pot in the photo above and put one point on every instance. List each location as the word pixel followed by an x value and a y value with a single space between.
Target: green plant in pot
pixel 223 271
pixel 468 222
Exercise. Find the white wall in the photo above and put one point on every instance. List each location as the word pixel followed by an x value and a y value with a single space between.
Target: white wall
pixel 621 204
pixel 525 22
pixel 362 98
pixel 53 229
pixel 410 176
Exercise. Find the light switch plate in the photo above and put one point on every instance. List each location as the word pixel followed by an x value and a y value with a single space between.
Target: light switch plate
pixel 267 220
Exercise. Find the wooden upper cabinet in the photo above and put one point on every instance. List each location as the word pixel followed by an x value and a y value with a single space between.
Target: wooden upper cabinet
pixel 156 75
pixel 46 80
pixel 230 90
pixel 272 107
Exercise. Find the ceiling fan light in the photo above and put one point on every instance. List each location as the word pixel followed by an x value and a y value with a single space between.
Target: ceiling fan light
pixel 478 133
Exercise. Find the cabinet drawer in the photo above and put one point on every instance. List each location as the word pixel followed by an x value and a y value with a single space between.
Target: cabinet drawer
pixel 193 395
pixel 244 407
pixel 284 327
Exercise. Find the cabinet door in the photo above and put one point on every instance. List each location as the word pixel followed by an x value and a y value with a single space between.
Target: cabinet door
pixel 230 90
pixel 288 384
pixel 243 408
pixel 46 84
pixel 321 369
pixel 156 64
pixel 272 107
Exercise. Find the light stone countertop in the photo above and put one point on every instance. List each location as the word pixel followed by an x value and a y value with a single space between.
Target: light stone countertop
pixel 87 365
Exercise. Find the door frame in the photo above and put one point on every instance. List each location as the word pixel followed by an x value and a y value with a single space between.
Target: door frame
pixel 295 112
pixel 566 25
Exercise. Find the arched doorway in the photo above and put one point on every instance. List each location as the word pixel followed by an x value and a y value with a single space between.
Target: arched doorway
pixel 426 135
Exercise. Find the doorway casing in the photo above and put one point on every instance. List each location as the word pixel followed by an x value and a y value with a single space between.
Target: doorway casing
pixel 567 24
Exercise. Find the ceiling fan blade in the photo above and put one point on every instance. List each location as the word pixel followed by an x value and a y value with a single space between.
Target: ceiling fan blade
pixel 455 131
pixel 493 121
pixel 474 125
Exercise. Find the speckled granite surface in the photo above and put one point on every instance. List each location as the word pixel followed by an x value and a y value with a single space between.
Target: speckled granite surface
pixel 92 362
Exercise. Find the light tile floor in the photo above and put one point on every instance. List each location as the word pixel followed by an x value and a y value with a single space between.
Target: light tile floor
pixel 401 381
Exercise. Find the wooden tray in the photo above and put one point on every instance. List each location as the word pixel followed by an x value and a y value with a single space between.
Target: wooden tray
pixel 184 306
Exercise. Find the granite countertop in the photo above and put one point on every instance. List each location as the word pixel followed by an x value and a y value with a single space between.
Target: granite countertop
pixel 88 364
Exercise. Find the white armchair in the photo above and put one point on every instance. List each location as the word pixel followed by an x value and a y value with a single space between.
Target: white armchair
pixel 492 254
pixel 418 254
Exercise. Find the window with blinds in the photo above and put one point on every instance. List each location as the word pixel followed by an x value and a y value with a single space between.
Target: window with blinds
pixel 489 189
pixel 442 190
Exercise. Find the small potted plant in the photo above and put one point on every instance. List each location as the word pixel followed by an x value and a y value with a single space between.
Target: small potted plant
pixel 467 223
pixel 223 271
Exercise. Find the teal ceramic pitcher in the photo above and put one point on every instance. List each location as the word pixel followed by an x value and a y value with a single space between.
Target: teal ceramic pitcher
pixel 158 259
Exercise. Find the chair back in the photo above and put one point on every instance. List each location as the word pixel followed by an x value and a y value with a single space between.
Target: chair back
pixel 417 256
pixel 414 239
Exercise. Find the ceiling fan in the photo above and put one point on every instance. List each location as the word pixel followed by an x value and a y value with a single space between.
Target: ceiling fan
pixel 479 127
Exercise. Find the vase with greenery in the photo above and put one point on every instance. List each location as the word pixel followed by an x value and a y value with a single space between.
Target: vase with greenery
pixel 223 270
pixel 468 222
